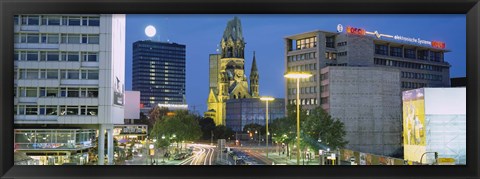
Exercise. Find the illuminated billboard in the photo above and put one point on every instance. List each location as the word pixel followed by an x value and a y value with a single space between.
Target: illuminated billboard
pixel 434 120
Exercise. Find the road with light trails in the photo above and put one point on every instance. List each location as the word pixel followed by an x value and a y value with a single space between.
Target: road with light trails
pixel 202 155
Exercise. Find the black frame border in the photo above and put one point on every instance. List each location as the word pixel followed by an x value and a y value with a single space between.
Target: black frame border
pixel 10 7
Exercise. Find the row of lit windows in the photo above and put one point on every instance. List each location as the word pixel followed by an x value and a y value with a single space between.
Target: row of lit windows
pixel 55 56
pixel 330 55
pixel 306 43
pixel 158 56
pixel 55 110
pixel 53 20
pixel 57 92
pixel 306 101
pixel 303 90
pixel 59 38
pixel 385 62
pixel 409 53
pixel 56 73
pixel 421 76
pixel 166 83
pixel 413 85
pixel 158 46
pixel 305 56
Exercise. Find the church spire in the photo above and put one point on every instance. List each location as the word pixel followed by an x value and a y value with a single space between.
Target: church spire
pixel 232 42
pixel 254 78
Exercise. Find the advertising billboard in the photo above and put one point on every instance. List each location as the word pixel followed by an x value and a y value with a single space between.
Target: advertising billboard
pixel 414 137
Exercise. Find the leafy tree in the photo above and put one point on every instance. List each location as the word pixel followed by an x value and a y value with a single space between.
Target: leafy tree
pixel 178 128
pixel 155 114
pixel 321 126
pixel 223 132
pixel 207 125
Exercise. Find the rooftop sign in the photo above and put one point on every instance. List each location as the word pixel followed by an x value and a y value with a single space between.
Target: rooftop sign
pixel 360 31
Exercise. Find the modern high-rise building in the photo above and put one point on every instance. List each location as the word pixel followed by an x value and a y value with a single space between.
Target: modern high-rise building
pixel 227 73
pixel 159 73
pixel 421 62
pixel 69 85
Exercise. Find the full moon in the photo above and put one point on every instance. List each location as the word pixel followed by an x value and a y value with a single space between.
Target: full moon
pixel 150 31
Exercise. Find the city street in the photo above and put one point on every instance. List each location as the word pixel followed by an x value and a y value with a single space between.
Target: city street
pixel 203 154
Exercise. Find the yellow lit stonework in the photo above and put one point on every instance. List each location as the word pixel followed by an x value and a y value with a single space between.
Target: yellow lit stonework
pixel 227 73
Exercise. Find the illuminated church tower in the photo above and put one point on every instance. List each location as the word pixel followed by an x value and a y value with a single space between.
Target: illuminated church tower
pixel 227 73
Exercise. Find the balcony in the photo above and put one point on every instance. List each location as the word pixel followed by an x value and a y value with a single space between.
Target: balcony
pixel 79 82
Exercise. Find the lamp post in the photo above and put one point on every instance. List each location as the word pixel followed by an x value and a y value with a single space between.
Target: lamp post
pixel 298 76
pixel 266 99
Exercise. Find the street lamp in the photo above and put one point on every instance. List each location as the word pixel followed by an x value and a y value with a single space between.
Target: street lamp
pixel 298 76
pixel 151 153
pixel 266 99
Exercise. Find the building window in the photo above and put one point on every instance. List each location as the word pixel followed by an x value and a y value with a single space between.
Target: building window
pixel 30 20
pixel 52 92
pixel 74 21
pixel 51 20
pixel 73 93
pixel 90 74
pixel 396 51
pixel 72 74
pixel 381 49
pixel 330 42
pixel 410 53
pixel 306 43
pixel 31 110
pixel 341 44
pixel 70 56
pixel 90 39
pixel 422 55
pixel 90 56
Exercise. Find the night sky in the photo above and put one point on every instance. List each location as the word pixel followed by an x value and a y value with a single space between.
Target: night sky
pixel 264 34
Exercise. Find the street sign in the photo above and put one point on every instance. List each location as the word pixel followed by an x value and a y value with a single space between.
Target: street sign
pixel 446 161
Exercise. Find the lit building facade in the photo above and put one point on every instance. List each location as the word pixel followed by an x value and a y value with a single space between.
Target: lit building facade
pixel 158 73
pixel 434 120
pixel 241 112
pixel 421 63
pixel 227 78
pixel 69 85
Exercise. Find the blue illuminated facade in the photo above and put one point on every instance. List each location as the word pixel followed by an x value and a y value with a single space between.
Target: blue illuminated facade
pixel 158 73
pixel 241 112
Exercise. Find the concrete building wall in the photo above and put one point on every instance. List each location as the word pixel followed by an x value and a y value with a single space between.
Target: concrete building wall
pixel 367 100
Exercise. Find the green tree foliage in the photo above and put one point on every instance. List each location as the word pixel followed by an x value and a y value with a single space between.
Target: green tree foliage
pixel 178 128
pixel 156 114
pixel 315 127
pixel 207 125
pixel 320 125
pixel 223 132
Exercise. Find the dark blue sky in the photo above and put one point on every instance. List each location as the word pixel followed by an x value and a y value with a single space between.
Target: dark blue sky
pixel 264 34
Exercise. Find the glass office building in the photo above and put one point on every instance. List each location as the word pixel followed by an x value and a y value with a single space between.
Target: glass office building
pixel 158 73
pixel 241 112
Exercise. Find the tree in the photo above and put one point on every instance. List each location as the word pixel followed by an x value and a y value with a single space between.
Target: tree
pixel 155 114
pixel 321 126
pixel 178 128
pixel 207 125
pixel 223 132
